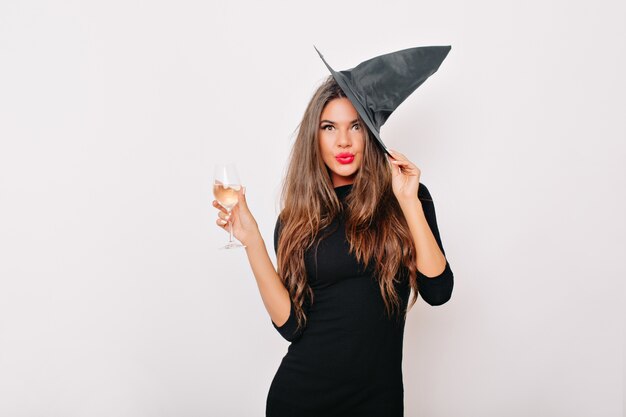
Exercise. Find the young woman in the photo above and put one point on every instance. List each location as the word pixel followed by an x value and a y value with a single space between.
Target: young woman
pixel 356 233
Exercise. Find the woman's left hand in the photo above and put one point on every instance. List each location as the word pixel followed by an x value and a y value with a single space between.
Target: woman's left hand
pixel 405 176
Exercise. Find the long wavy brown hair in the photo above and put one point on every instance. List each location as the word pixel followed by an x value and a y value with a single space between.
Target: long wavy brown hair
pixel 375 226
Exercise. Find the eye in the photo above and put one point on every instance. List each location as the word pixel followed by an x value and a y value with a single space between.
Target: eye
pixel 325 126
pixel 358 126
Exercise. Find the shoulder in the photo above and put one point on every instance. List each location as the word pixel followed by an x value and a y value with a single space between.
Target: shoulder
pixel 277 226
pixel 423 193
pixel 277 229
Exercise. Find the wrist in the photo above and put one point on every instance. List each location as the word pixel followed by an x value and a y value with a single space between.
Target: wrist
pixel 255 240
pixel 409 202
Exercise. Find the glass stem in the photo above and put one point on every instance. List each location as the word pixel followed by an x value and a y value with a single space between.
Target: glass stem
pixel 230 228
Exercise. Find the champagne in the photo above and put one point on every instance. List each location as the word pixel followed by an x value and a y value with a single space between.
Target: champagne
pixel 226 184
pixel 226 195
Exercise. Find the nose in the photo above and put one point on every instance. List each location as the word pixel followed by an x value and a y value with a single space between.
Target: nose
pixel 343 139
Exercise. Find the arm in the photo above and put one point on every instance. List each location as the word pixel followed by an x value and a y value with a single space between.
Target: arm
pixel 434 275
pixel 289 327
pixel 274 294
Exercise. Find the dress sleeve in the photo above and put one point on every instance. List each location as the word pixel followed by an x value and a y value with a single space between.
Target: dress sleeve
pixel 434 290
pixel 289 330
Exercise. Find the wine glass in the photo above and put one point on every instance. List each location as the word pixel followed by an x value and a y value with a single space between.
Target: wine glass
pixel 225 186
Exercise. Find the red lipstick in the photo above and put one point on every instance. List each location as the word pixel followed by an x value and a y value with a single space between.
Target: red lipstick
pixel 345 158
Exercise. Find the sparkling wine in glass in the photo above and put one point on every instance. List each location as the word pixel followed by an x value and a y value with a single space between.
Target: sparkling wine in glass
pixel 226 184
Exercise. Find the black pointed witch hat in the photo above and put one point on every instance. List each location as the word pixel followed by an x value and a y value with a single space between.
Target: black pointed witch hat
pixel 376 87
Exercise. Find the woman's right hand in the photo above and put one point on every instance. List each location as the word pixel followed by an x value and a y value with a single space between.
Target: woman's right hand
pixel 245 227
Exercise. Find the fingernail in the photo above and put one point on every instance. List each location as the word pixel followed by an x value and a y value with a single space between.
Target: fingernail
pixel 222 221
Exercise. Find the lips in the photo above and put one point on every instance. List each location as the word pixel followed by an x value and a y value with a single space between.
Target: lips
pixel 344 158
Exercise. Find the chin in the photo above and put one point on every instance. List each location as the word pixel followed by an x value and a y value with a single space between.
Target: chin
pixel 345 172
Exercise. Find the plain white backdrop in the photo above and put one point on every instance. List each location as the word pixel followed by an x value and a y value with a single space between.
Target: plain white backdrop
pixel 114 300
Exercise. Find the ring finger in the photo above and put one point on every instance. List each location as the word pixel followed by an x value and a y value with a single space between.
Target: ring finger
pixel 219 206
pixel 398 156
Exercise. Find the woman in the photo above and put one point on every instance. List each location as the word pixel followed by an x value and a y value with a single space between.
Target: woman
pixel 356 232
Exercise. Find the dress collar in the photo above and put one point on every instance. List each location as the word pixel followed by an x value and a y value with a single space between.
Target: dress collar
pixel 343 190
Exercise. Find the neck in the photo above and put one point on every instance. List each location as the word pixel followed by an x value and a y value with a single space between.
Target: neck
pixel 340 182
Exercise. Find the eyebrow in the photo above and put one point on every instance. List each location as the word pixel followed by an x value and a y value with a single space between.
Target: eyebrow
pixel 332 123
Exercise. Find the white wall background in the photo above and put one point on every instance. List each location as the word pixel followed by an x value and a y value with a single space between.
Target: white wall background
pixel 114 300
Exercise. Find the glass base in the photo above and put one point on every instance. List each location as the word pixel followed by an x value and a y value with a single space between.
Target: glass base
pixel 232 245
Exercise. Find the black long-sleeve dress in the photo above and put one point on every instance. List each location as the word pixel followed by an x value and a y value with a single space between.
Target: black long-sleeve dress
pixel 347 361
